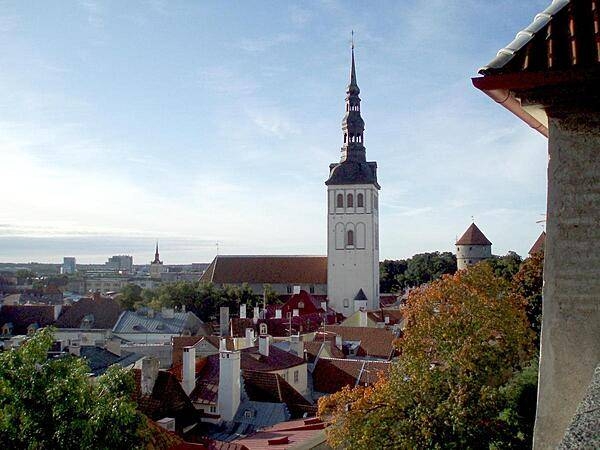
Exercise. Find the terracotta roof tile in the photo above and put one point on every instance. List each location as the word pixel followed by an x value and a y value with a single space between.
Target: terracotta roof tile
pixel 331 375
pixel 21 316
pixel 105 311
pixel 538 246
pixel 267 269
pixel 473 236
pixel 374 342
pixel 279 327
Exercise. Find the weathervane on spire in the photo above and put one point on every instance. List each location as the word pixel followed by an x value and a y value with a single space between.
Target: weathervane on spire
pixel 352 39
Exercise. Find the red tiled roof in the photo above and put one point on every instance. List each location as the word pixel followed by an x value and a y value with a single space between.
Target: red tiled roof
pixel 473 236
pixel 538 246
pixel 331 375
pixel 179 342
pixel 379 315
pixel 105 310
pixel 267 269
pixel 285 435
pixel 374 342
pixel 279 327
pixel 312 349
pixel 21 316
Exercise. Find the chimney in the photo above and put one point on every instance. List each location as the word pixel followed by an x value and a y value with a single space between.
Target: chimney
pixel 222 344
pixel 224 321
pixel 263 344
pixel 75 348
pixel 256 313
pixel 229 384
pixel 278 313
pixel 295 312
pixel 297 345
pixel 249 337
pixel 57 310
pixel 96 295
pixel 113 345
pixel 324 306
pixel 363 318
pixel 149 374
pixel 386 320
pixel 338 341
pixel 189 369
pixel 296 290
pixel 242 311
pixel 167 313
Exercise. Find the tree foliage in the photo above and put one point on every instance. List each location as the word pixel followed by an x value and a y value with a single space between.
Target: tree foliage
pixel 397 275
pixel 466 336
pixel 505 266
pixel 51 403
pixel 130 297
pixel 528 283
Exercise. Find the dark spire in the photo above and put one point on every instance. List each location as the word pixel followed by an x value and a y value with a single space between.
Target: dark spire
pixel 156 255
pixel 353 126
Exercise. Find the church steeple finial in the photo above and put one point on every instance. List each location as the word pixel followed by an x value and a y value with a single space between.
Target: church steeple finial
pixel 353 125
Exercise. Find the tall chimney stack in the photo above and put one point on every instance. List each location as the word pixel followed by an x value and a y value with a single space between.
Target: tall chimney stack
pixel 189 369
pixel 263 344
pixel 229 384
pixel 150 367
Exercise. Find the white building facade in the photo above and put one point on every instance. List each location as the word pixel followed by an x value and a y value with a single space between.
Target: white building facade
pixel 353 217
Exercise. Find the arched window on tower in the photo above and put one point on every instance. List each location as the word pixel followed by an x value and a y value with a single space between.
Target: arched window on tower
pixel 350 238
pixel 340 201
pixel 350 201
pixel 360 201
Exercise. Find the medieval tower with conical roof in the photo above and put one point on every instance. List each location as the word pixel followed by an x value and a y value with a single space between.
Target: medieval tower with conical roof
pixel 353 216
pixel 472 247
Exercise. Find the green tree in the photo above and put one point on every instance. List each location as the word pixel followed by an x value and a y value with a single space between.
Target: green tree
pixel 25 274
pixel 505 266
pixel 426 267
pixel 130 297
pixel 466 336
pixel 270 295
pixel 389 271
pixel 51 403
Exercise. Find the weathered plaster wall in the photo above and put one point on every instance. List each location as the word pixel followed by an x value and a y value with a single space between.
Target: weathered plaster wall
pixel 570 343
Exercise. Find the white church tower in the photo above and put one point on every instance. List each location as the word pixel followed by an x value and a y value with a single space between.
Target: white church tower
pixel 353 217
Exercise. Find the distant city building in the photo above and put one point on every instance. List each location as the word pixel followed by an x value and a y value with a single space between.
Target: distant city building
pixel 353 217
pixel 156 267
pixel 472 247
pixel 120 263
pixel 69 265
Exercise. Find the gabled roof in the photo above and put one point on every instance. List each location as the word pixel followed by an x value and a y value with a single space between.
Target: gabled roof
pixel 301 433
pixel 140 322
pixel 538 246
pixel 168 399
pixel 271 387
pixel 105 312
pixel 373 342
pixel 22 316
pixel 331 375
pixel 267 269
pixel 473 236
pixel 99 359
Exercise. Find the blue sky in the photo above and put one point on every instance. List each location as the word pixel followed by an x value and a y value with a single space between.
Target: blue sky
pixel 203 122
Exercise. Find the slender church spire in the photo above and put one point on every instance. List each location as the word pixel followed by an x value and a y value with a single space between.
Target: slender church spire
pixel 353 126
pixel 156 255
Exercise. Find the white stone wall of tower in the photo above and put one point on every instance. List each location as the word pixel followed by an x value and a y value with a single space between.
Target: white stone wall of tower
pixel 352 267
pixel 467 255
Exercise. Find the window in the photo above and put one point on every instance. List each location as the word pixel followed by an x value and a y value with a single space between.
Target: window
pixel 346 303
pixel 350 201
pixel 289 289
pixel 213 409
pixel 248 414
pixel 350 237
pixel 340 200
pixel 296 376
pixel 360 201
pixel 262 328
pixel 312 289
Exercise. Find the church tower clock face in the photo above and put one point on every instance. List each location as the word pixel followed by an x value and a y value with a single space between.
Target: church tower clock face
pixel 353 216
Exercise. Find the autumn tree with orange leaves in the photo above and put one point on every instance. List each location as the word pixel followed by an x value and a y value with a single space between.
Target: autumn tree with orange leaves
pixel 467 335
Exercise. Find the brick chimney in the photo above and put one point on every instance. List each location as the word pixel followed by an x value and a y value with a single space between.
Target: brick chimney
pixel 150 367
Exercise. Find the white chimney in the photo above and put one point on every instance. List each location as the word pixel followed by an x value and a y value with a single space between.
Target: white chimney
pixel 295 312
pixel 263 345
pixel 229 384
pixel 242 311
pixel 224 321
pixel 297 345
pixel 324 306
pixel 113 345
pixel 363 318
pixel 149 374
pixel 189 369
pixel 57 310
pixel 74 348
pixel 278 313
pixel 249 337
pixel 256 312
pixel 338 341
pixel 386 320
pixel 222 344
pixel 296 289
pixel 167 313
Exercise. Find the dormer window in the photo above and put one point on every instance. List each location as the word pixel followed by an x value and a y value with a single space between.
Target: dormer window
pixel 262 328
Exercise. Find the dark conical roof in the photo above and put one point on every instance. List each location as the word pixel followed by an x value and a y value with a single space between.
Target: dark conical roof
pixel 538 246
pixel 473 236
pixel 360 295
